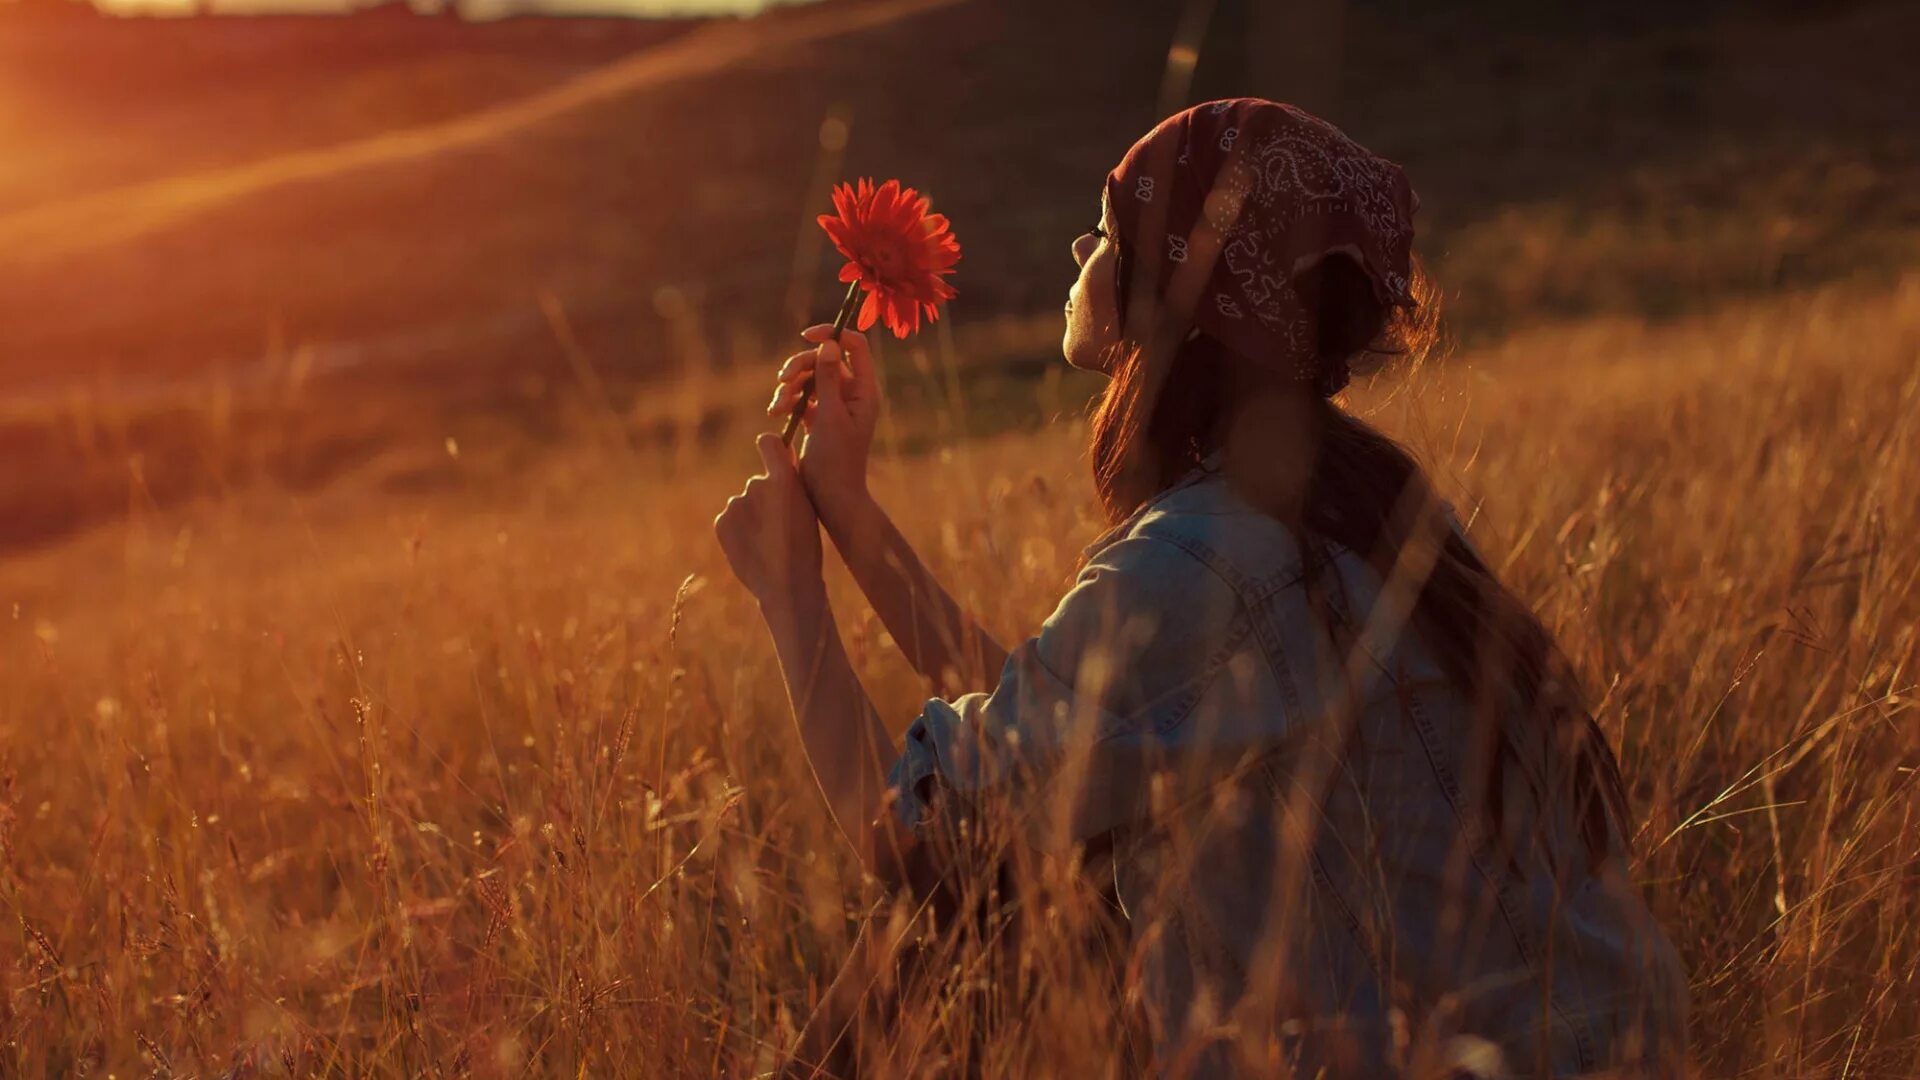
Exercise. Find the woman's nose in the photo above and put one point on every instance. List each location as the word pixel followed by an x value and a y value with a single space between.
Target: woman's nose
pixel 1082 247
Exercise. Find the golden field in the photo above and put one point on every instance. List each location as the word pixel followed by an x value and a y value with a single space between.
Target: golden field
pixel 498 778
pixel 374 700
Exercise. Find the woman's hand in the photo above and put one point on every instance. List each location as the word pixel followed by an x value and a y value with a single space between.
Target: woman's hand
pixel 769 531
pixel 833 462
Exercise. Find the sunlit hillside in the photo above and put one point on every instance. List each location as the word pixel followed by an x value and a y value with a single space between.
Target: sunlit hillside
pixel 235 155
pixel 375 702
pixel 393 212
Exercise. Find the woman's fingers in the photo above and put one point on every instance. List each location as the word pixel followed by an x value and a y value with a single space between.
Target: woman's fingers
pixel 852 364
pixel 831 375
pixel 828 387
pixel 851 340
pixel 798 366
pixel 778 459
pixel 785 397
pixel 853 345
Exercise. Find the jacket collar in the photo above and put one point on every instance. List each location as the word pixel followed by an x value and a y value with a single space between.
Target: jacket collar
pixel 1208 468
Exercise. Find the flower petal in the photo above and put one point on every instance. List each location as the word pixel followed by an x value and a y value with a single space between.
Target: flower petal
pixel 896 248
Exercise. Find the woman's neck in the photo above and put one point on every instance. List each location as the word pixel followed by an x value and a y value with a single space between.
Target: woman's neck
pixel 1269 440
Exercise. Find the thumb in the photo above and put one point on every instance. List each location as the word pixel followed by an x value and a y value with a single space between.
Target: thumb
pixel 828 376
pixel 775 455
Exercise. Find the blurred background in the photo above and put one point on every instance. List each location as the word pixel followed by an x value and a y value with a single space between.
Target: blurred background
pixel 267 241
pixel 374 700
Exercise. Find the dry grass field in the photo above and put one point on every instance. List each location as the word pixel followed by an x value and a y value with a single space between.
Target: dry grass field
pixel 374 700
pixel 499 777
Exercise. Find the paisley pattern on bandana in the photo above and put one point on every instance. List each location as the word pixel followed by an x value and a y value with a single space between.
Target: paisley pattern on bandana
pixel 1276 189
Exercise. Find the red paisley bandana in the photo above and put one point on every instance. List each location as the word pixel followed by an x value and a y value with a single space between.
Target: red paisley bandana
pixel 1222 206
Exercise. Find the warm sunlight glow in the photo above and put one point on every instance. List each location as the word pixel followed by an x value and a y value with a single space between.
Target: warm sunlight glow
pixel 474 9
pixel 421 655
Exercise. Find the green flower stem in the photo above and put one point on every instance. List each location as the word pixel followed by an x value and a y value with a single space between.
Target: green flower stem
pixel 839 323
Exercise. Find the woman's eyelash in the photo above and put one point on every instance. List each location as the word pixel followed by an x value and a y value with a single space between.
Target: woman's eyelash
pixel 1097 231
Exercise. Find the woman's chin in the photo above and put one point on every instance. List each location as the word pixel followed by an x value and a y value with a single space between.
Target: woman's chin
pixel 1077 353
pixel 1084 357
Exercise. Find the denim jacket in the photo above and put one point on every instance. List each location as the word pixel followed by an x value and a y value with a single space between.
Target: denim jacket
pixel 1306 883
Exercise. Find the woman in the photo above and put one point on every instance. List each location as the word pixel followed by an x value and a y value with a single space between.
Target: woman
pixel 1347 783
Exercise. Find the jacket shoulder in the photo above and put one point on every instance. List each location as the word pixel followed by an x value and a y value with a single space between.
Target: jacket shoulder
pixel 1252 551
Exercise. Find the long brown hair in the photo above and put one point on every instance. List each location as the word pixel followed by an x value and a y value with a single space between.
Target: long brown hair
pixel 1361 491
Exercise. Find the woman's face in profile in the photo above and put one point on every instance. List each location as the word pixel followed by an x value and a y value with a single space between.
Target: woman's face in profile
pixel 1092 318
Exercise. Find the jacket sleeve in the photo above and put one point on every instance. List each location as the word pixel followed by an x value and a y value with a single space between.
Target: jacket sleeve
pixel 1087 710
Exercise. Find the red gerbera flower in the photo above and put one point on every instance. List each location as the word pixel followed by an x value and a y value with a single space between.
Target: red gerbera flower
pixel 896 250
